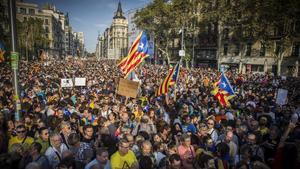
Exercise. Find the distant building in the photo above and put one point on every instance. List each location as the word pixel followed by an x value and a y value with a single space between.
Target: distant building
pixel 115 38
pixel 55 23
pixel 79 44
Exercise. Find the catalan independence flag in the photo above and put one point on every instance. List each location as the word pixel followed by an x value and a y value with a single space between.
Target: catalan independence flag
pixel 223 91
pixel 175 75
pixel 137 53
pixel 164 86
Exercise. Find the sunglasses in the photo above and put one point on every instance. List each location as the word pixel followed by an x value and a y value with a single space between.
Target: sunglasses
pixel 210 123
pixel 21 131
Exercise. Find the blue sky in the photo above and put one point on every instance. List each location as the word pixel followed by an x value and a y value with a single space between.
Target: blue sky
pixel 91 16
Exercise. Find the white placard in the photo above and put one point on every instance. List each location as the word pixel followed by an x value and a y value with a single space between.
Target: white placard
pixel 281 97
pixel 80 81
pixel 66 83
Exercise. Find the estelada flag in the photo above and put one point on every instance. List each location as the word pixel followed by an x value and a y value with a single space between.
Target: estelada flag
pixel 164 86
pixel 137 53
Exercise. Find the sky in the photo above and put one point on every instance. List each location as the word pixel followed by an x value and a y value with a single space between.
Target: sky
pixel 91 16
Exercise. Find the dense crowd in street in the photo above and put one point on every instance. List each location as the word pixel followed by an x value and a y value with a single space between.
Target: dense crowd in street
pixel 93 127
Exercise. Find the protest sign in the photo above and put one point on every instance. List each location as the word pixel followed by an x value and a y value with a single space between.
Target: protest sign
pixel 128 88
pixel 281 98
pixel 66 83
pixel 80 81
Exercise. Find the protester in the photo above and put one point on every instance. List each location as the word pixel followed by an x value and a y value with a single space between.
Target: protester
pixel 187 128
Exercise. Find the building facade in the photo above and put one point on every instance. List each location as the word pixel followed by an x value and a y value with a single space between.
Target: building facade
pixel 115 38
pixel 55 23
pixel 254 56
pixel 79 45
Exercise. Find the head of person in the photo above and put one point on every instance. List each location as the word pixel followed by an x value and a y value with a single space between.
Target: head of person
pixel 125 117
pixel 44 133
pixel 124 147
pixel 203 129
pixel 228 136
pixel 55 139
pixel 251 139
pixel 21 131
pixel 102 155
pixel 254 125
pixel 74 140
pixel 146 162
pixel 130 139
pixel 88 131
pixel 35 148
pixel 186 140
pixel 175 161
pixel 146 148
pixel 65 128
pixel 210 123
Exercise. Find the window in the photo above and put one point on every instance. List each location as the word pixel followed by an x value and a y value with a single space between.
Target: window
pixel 47 29
pixel 46 22
pixel 23 10
pixel 262 51
pixel 226 33
pixel 257 68
pixel 31 11
pixel 225 49
pixel 295 50
pixel 248 49
pixel 237 49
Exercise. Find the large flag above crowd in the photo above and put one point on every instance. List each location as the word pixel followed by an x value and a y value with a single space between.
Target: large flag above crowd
pixel 223 91
pixel 137 53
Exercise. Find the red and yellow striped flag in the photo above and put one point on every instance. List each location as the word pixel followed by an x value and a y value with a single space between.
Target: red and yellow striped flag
pixel 137 53
pixel 164 86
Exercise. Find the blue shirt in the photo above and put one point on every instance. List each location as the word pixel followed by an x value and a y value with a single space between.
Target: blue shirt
pixel 95 162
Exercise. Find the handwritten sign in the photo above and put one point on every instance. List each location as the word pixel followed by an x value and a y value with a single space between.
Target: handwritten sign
pixel 128 88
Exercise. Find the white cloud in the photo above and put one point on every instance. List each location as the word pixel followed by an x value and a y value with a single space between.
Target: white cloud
pixel 78 19
pixel 101 25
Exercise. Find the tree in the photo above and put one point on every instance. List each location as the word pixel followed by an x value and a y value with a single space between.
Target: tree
pixel 259 21
pixel 31 37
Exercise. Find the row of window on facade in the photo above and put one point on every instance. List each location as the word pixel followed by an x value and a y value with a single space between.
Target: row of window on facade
pixel 29 11
pixel 248 50
pixel 46 21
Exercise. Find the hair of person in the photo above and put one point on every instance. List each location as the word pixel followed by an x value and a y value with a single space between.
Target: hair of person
pixel 145 162
pixel 54 134
pixel 100 151
pixel 42 129
pixel 146 142
pixel 174 157
pixel 37 146
pixel 185 137
pixel 87 126
pixel 73 139
pixel 63 124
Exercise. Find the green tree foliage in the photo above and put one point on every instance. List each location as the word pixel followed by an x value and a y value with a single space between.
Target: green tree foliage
pixel 248 20
pixel 31 37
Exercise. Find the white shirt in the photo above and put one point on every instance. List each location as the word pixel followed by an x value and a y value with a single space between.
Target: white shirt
pixel 54 156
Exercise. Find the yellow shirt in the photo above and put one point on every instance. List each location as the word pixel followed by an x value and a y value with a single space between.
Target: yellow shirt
pixel 15 140
pixel 122 162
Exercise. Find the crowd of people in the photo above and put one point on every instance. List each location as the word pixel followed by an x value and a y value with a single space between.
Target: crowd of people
pixel 93 127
